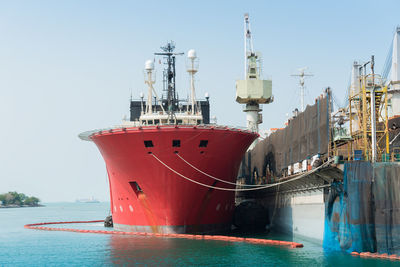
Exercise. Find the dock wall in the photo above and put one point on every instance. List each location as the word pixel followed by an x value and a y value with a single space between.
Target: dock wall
pixel 362 214
pixel 306 135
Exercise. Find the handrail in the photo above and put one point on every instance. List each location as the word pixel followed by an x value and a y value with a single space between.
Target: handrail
pixel 122 128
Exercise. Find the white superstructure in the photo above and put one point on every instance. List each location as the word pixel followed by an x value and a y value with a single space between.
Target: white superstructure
pixel 355 90
pixel 395 74
pixel 153 114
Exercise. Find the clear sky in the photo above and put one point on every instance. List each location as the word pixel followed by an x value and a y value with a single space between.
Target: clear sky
pixel 70 66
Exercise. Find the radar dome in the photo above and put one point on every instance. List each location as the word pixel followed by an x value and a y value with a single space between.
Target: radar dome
pixel 149 65
pixel 192 54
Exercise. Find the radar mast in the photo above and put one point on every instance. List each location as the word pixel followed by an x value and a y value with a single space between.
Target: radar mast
pixel 302 76
pixel 169 98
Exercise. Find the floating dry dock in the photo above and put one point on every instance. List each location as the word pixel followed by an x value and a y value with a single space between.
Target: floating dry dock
pixel 351 203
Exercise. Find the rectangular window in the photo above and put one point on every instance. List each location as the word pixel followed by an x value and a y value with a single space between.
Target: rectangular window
pixel 176 143
pixel 203 143
pixel 136 188
pixel 148 143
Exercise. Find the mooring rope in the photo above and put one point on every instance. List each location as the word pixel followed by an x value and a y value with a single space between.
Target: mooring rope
pixel 215 178
pixel 239 189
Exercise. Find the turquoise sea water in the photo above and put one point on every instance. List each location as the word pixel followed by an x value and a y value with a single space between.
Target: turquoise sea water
pixel 25 247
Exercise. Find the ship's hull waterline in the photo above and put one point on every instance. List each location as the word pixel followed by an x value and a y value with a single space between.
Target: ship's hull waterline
pixel 146 168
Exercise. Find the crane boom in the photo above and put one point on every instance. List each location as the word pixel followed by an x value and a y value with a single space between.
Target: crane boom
pixel 248 43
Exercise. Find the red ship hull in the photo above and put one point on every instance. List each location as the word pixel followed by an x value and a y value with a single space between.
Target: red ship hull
pixel 151 195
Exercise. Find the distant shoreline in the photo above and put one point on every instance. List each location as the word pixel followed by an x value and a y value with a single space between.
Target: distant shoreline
pixel 20 206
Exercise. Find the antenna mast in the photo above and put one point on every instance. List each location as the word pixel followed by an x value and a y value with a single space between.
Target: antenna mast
pixel 171 101
pixel 149 67
pixel 192 67
pixel 248 42
pixel 301 76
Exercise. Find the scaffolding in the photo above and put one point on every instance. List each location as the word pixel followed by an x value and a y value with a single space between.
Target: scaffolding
pixel 368 109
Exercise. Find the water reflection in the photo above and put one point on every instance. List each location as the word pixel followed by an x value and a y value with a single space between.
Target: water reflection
pixel 156 251
pixel 129 250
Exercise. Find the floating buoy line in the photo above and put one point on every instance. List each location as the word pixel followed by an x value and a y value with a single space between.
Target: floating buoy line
pixel 377 255
pixel 39 226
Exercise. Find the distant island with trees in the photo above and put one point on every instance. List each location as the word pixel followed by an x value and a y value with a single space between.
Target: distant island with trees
pixel 16 200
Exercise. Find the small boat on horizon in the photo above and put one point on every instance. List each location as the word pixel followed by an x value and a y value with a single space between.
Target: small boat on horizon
pixel 87 200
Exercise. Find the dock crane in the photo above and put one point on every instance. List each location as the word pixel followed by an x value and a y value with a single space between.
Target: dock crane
pixel 252 91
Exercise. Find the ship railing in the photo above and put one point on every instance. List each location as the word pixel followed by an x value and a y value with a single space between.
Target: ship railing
pixel 205 126
pixel 188 125
pixel 343 155
pixel 86 135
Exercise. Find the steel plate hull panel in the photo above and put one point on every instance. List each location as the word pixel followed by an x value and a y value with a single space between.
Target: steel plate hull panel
pixel 176 229
pixel 165 198
pixel 301 215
